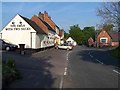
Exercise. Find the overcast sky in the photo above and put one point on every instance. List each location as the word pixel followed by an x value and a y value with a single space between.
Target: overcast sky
pixel 64 14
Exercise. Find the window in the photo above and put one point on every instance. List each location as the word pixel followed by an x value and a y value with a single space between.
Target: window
pixel 20 22
pixel 13 22
pixel 103 40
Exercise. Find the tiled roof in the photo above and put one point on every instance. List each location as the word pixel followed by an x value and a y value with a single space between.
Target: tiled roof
pixel 61 32
pixel 33 25
pixel 40 23
pixel 48 26
pixel 115 36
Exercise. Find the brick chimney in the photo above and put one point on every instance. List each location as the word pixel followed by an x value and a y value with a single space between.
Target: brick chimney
pixel 45 16
pixel 49 17
pixel 39 23
pixel 41 15
pixel 48 20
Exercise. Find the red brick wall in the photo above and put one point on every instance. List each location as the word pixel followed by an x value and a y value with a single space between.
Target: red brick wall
pixel 115 44
pixel 90 41
pixel 104 34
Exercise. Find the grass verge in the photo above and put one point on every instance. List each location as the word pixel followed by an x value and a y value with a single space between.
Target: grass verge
pixel 116 52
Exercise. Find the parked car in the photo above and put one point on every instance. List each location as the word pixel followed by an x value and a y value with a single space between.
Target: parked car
pixel 64 46
pixel 6 45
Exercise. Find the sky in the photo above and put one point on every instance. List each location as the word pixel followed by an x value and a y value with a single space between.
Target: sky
pixel 64 14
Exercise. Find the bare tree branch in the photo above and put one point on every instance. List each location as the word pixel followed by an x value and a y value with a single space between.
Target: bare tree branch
pixel 110 12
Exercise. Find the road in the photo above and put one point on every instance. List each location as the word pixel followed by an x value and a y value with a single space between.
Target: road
pixel 81 67
pixel 91 68
pixel 39 70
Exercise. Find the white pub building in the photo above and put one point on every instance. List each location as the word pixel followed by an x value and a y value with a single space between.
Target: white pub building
pixel 34 33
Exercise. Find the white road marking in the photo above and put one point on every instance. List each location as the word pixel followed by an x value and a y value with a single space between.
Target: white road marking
pixel 65 73
pixel 67 59
pixel 89 53
pixel 67 54
pixel 116 71
pixel 61 83
pixel 91 56
pixel 66 69
pixel 99 61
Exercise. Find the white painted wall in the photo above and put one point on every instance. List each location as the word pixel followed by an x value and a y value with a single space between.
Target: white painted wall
pixel 21 35
pixel 57 30
pixel 38 40
pixel 33 40
pixel 51 38
pixel 47 40
pixel 44 39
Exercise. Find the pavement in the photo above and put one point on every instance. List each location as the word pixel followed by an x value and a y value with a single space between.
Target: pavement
pixel 91 68
pixel 39 70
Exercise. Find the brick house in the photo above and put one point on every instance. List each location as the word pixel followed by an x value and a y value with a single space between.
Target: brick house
pixel 90 41
pixel 105 38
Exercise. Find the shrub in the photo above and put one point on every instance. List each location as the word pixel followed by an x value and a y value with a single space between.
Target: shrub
pixel 11 63
pixel 9 71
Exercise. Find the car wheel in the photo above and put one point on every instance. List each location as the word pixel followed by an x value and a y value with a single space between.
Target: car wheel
pixel 68 49
pixel 7 48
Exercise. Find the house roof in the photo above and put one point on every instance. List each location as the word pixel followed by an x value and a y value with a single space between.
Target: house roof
pixel 115 36
pixel 33 25
pixel 61 33
pixel 57 27
pixel 47 20
pixel 69 39
pixel 40 23
pixel 48 26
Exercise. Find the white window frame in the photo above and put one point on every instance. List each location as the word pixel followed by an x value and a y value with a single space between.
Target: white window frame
pixel 104 38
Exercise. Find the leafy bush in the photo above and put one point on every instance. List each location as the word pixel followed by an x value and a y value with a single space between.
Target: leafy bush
pixel 11 63
pixel 9 71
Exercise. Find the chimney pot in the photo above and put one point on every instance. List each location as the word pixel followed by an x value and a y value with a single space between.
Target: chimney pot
pixel 40 15
pixel 45 12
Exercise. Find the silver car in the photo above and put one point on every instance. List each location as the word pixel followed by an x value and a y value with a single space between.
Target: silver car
pixel 64 46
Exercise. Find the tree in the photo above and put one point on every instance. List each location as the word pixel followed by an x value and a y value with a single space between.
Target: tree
pixel 88 32
pixel 110 12
pixel 107 27
pixel 76 33
pixel 66 35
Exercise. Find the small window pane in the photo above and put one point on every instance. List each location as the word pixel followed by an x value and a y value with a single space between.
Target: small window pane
pixel 103 40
